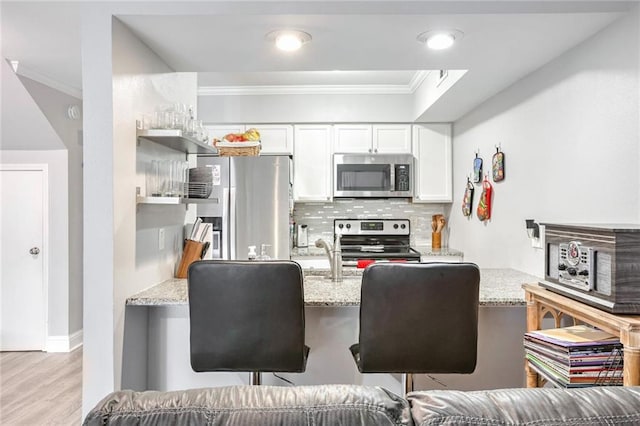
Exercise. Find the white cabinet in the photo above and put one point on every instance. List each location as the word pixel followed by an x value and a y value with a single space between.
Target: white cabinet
pixel 312 154
pixel 433 171
pixel 276 139
pixel 219 130
pixel 377 138
pixel 352 138
pixel 392 138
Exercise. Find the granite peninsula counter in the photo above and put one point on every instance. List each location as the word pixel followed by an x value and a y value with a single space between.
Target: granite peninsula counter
pixel 498 287
pixel 156 344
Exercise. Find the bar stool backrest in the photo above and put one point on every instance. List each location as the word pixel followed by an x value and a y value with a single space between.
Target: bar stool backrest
pixel 246 316
pixel 419 318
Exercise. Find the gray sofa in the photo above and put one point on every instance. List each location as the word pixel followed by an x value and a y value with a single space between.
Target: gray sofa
pixel 359 405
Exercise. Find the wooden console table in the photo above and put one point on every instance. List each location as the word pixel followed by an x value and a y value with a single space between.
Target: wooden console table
pixel 541 301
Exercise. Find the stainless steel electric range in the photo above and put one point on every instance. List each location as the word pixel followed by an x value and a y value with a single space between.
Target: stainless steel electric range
pixel 365 241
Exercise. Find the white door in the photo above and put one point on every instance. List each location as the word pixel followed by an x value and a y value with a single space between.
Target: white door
pixel 22 285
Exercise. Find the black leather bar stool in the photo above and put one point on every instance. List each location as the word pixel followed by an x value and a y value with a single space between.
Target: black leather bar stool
pixel 418 318
pixel 247 316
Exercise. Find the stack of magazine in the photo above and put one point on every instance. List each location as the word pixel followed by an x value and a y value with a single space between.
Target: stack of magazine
pixel 577 356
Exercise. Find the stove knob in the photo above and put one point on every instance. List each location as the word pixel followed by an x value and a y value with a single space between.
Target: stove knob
pixel 395 226
pixel 340 225
pixel 403 226
pixel 584 273
pixel 348 226
pixel 562 267
pixel 572 271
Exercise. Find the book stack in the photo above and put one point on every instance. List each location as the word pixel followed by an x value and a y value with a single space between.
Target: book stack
pixel 573 357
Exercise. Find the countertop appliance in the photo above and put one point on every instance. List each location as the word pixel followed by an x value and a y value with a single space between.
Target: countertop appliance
pixel 302 236
pixel 254 204
pixel 598 264
pixel 366 241
pixel 373 175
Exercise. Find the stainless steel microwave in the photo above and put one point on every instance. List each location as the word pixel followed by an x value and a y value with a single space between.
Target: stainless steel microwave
pixel 373 175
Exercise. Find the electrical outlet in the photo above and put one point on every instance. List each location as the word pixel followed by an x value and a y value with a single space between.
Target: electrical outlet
pixel 536 243
pixel 161 239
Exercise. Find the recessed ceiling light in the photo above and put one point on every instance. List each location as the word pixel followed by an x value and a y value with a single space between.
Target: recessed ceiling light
pixel 440 39
pixel 289 40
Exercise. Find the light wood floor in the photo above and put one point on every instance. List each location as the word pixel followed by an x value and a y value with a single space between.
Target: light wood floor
pixel 38 388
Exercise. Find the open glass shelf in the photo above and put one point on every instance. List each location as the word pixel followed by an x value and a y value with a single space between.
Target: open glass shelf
pixel 174 139
pixel 175 200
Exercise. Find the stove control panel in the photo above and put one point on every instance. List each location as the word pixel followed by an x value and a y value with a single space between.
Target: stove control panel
pixel 371 226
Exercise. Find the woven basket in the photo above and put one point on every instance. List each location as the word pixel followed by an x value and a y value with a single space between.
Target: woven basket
pixel 238 151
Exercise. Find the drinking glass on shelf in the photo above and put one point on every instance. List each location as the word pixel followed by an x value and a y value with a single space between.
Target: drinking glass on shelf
pixel 152 178
pixel 179 177
pixel 165 178
pixel 203 133
pixel 144 122
pixel 191 127
pixel 180 115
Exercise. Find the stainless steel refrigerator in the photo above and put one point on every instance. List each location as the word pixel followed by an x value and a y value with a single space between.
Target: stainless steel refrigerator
pixel 254 204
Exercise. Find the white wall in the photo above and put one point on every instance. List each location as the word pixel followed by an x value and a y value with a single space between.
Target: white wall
pixel 305 108
pixel 53 105
pixel 131 260
pixel 137 260
pixel 98 375
pixel 569 132
pixel 431 90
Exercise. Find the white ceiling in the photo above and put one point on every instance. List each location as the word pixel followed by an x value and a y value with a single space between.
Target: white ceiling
pixel 225 41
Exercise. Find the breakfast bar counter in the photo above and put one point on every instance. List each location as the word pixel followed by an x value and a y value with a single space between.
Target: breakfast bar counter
pixel 156 347
pixel 498 287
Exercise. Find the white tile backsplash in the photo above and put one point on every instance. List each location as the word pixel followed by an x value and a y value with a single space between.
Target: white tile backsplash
pixel 319 216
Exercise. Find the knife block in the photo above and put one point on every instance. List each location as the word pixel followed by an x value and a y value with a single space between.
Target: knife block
pixel 192 251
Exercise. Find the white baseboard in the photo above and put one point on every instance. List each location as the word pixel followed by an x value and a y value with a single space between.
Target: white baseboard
pixel 64 343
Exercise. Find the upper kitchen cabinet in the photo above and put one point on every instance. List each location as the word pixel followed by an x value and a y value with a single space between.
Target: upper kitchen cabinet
pixel 276 139
pixel 392 138
pixel 219 130
pixel 350 138
pixel 312 162
pixel 433 171
pixel 377 138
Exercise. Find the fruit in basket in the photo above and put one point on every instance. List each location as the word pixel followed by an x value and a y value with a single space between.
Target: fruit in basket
pixel 252 134
pixel 249 135
pixel 235 137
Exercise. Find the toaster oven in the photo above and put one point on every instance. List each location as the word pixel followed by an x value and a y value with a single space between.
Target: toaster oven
pixel 597 264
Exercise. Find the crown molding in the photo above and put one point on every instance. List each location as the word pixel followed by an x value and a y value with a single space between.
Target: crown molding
pixel 320 89
pixel 363 89
pixel 417 79
pixel 48 81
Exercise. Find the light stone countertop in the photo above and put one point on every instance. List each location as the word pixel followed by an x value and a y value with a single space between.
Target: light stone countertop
pixel 498 287
pixel 445 251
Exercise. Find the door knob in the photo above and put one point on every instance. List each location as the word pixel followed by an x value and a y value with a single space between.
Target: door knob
pixel 34 250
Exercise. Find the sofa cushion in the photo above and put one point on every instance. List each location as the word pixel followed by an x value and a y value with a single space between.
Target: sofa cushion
pixel 254 405
pixel 588 406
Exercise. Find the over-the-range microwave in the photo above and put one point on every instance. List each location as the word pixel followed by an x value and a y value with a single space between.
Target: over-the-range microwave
pixel 373 175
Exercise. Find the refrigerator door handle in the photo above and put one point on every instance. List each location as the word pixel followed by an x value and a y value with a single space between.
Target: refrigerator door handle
pixel 233 255
pixel 224 247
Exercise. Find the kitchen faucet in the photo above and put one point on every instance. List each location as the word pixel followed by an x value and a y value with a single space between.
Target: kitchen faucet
pixel 335 257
